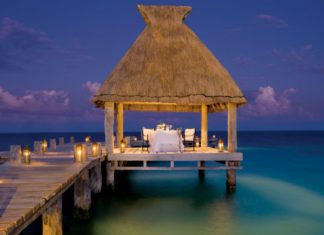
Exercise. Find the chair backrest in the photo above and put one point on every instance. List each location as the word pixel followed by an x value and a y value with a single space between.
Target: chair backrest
pixel 146 133
pixel 189 134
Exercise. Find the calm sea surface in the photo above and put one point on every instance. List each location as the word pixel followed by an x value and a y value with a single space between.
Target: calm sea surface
pixel 279 191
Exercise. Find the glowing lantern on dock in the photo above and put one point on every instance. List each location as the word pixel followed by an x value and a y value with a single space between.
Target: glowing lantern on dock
pixel 87 139
pixel 122 146
pixel 80 153
pixel 197 142
pixel 95 149
pixel 27 155
pixel 220 145
pixel 44 146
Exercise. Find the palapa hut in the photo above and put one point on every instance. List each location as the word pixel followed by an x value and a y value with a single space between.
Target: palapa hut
pixel 168 68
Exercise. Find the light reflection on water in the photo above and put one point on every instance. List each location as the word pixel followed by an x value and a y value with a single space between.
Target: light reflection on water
pixel 280 191
pixel 178 203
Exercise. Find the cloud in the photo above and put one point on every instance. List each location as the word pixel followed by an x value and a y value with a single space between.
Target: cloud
pixel 21 45
pixel 267 102
pixel 302 59
pixel 92 87
pixel 271 20
pixel 34 102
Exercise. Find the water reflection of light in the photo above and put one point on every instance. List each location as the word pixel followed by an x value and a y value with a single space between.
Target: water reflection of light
pixel 287 195
pixel 222 218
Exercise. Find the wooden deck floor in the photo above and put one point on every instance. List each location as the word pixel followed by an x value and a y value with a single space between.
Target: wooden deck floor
pixel 200 156
pixel 26 190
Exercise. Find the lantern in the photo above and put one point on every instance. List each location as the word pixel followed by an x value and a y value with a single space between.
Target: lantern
pixel 220 145
pixel 197 142
pixel 80 153
pixel 44 146
pixel 27 155
pixel 122 146
pixel 87 139
pixel 95 149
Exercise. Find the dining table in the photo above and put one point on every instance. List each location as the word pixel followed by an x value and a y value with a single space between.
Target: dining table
pixel 162 141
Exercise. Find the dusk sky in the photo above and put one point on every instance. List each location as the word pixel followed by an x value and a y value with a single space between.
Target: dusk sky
pixel 55 54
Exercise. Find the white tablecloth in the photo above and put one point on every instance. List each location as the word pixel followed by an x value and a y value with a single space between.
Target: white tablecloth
pixel 165 141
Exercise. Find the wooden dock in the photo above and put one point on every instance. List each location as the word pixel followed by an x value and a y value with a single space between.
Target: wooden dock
pixel 204 158
pixel 29 191
pixel 200 156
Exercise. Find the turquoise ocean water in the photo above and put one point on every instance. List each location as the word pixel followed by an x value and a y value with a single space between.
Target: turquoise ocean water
pixel 279 191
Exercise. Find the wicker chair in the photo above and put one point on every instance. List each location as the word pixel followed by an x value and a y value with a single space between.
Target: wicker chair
pixel 189 138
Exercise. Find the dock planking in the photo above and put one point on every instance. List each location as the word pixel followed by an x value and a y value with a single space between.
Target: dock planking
pixel 27 191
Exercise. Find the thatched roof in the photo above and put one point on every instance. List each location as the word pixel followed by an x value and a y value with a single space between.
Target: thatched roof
pixel 169 64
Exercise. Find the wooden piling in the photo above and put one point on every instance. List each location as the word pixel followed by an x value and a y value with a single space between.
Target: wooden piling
pixel 110 179
pixel 82 197
pixel 52 144
pixel 15 154
pixel 37 146
pixel 61 140
pixel 52 219
pixel 96 178
pixel 231 177
pixel 201 172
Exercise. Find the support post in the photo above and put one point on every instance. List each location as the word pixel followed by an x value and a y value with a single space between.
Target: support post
pixel 109 138
pixel 15 154
pixel 82 196
pixel 52 144
pixel 120 123
pixel 37 146
pixel 61 140
pixel 203 137
pixel 231 127
pixel 204 125
pixel 96 178
pixel 110 180
pixel 52 219
pixel 201 172
pixel 231 178
pixel 72 140
pixel 109 127
pixel 232 145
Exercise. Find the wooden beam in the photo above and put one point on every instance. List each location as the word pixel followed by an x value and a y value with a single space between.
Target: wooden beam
pixel 82 196
pixel 52 219
pixel 162 107
pixel 179 168
pixel 231 176
pixel 61 140
pixel 204 125
pixel 96 178
pixel 52 144
pixel 15 154
pixel 231 127
pixel 109 127
pixel 119 123
pixel 110 179
pixel 185 156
